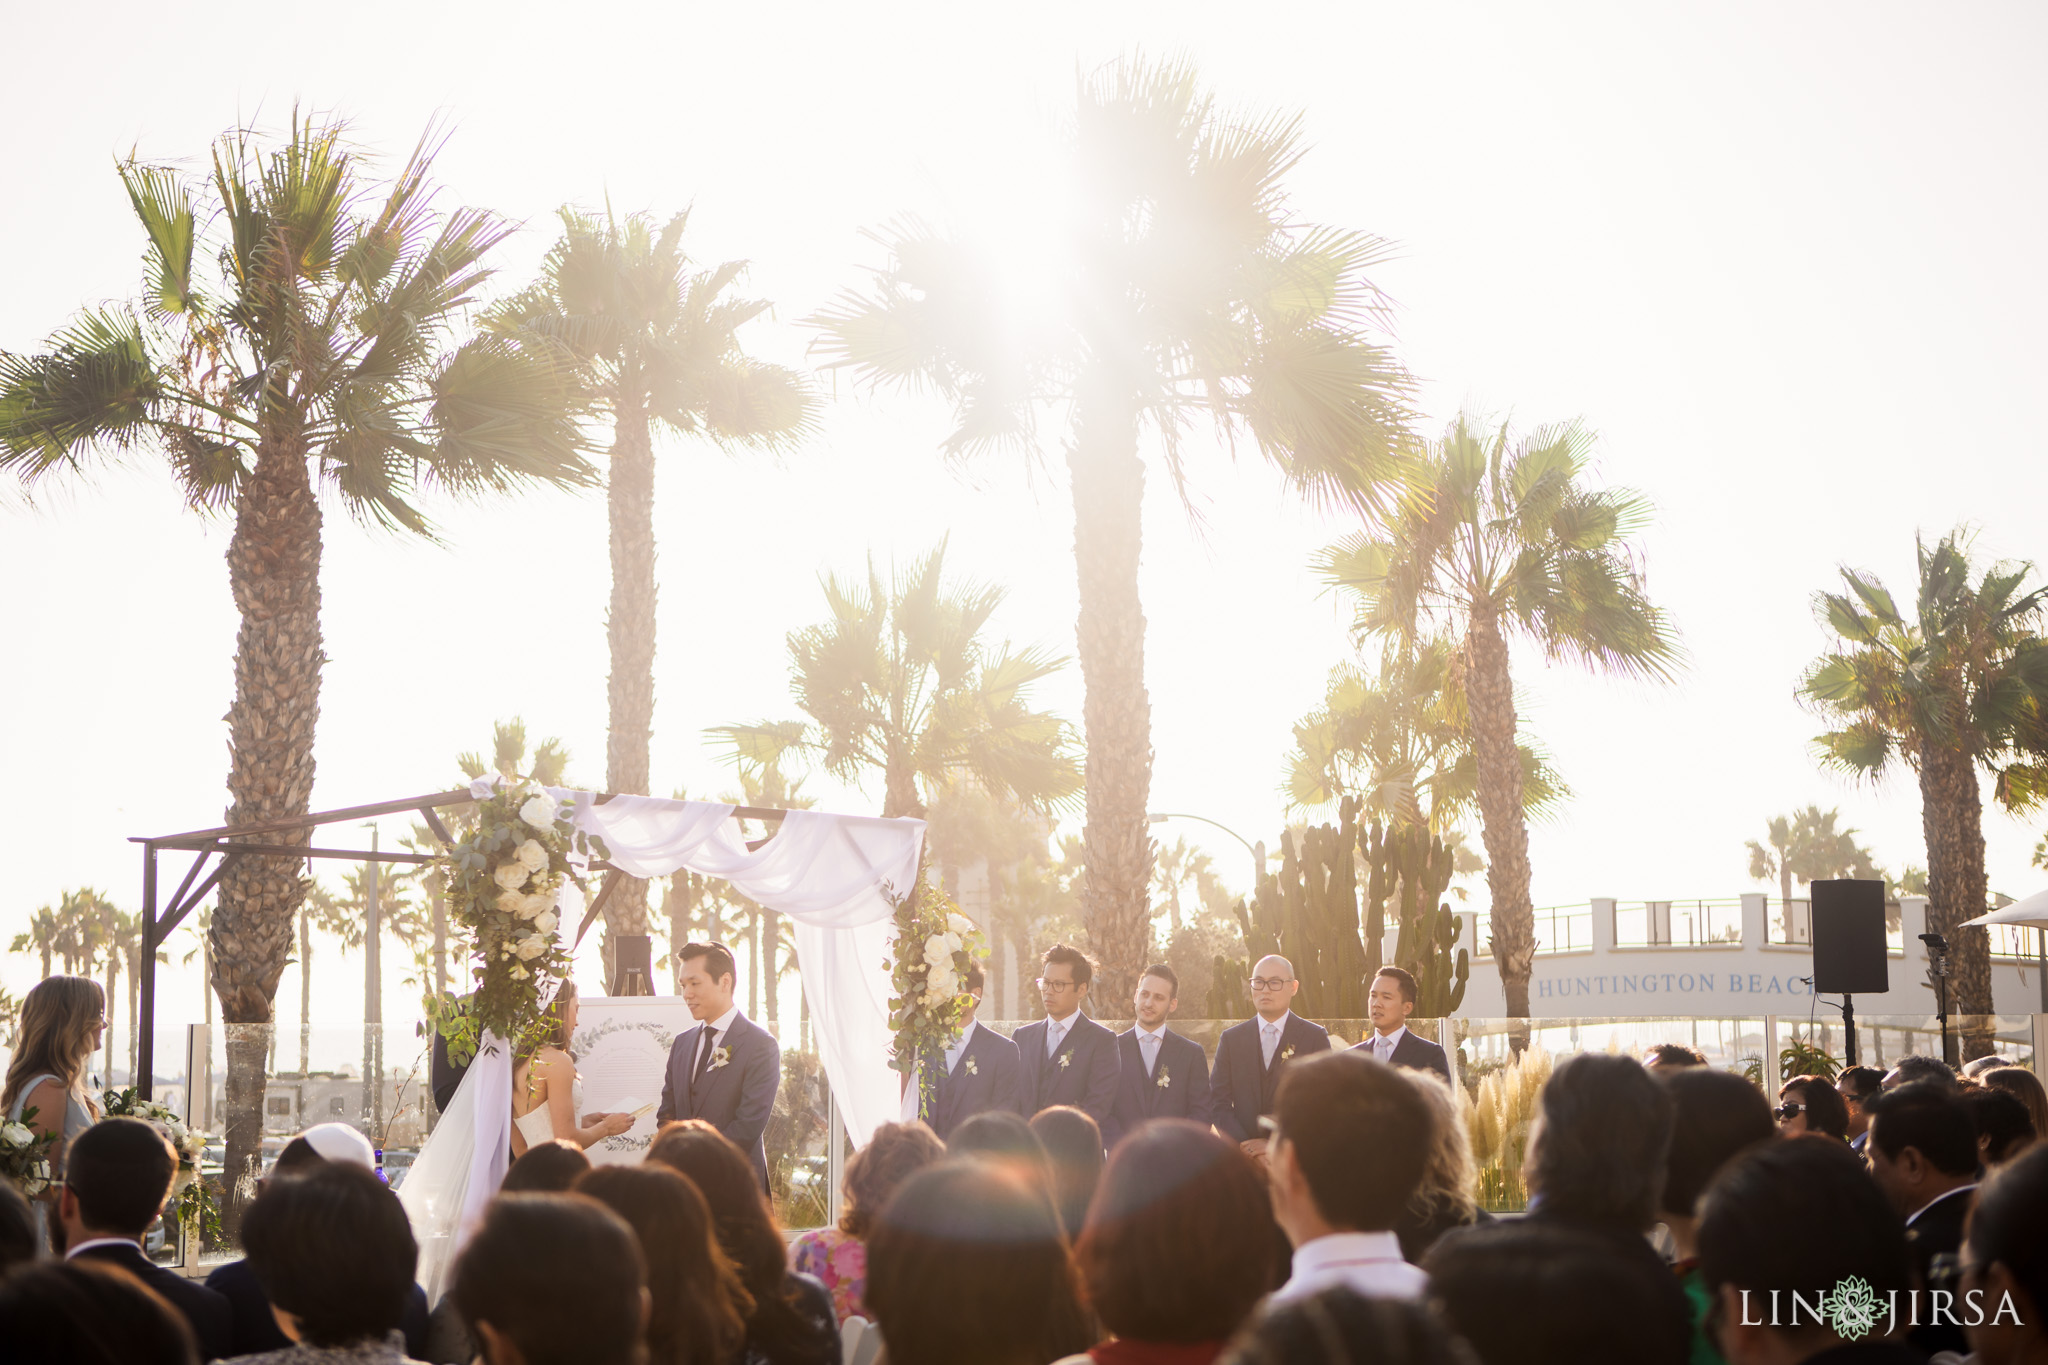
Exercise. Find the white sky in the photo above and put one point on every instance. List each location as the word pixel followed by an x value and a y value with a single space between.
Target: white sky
pixel 1786 260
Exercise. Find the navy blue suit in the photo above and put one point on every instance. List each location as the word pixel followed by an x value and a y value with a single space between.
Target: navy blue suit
pixel 207 1310
pixel 985 1078
pixel 1241 1086
pixel 1184 1068
pixel 737 1097
pixel 1416 1054
pixel 1083 1073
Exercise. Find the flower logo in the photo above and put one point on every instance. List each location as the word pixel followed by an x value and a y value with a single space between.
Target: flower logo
pixel 1165 1078
pixel 719 1057
pixel 1853 1308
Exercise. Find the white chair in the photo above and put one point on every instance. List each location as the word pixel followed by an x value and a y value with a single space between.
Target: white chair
pixel 860 1342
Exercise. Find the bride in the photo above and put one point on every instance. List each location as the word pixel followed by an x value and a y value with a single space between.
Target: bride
pixel 547 1094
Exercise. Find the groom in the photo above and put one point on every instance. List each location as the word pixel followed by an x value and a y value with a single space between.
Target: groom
pixel 725 1070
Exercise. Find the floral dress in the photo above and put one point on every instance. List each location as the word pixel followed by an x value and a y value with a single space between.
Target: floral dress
pixel 840 1263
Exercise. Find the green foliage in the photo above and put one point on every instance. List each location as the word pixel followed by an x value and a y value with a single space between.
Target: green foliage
pixel 1801 1058
pixel 934 948
pixel 1414 869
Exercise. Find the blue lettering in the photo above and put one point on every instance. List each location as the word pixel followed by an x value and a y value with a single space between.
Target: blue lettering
pixel 1650 982
pixel 1667 981
pixel 1756 983
pixel 1583 988
pixel 1624 983
pixel 1542 990
pixel 1734 983
pixel 1686 983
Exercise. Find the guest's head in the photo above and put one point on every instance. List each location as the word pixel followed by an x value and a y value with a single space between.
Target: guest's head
pixel 700 1308
pixel 1811 1104
pixel 334 1142
pixel 1339 1326
pixel 117 1176
pixel 2004 1128
pixel 1063 980
pixel 1157 995
pixel 62 1019
pixel 967 1262
pixel 1599 1145
pixel 1977 1066
pixel 1390 1000
pixel 2024 1086
pixel 546 1168
pixel 1856 1085
pixel 1073 1145
pixel 334 1252
pixel 1717 1115
pixel 1273 987
pixel 1529 1293
pixel 1922 1144
pixel 705 977
pixel 896 1152
pixel 1662 1057
pixel 1907 1070
pixel 86 1313
pixel 553 1279
pixel 1179 1244
pixel 1001 1137
pixel 2006 1255
pixel 1444 1196
pixel 17 1228
pixel 1320 1185
pixel 1792 1218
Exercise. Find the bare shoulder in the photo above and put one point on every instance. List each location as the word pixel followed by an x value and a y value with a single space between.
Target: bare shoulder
pixel 47 1099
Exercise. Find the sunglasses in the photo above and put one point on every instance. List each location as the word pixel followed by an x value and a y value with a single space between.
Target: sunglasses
pixel 1786 1111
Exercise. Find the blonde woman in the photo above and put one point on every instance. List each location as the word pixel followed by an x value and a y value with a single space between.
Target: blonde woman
pixel 546 1094
pixel 62 1021
pixel 1444 1199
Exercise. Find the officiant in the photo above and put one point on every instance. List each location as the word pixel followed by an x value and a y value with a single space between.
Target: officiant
pixel 726 1070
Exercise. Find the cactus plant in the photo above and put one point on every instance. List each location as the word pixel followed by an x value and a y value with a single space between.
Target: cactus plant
pixel 1412 866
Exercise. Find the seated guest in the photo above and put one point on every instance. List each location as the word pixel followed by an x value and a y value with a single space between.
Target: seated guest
pixel 980 1069
pixel 1338 1202
pixel 1718 1116
pixel 1524 1293
pixel 550 1167
pixel 1811 1104
pixel 792 1321
pixel 1923 1156
pixel 17 1229
pixel 1252 1056
pixel 698 1314
pixel 1443 1200
pixel 2024 1086
pixel 1160 1074
pixel 1391 1003
pixel 116 1182
pixel 1008 1141
pixel 1659 1058
pixel 335 1255
pixel 87 1313
pixel 1179 1246
pixel 255 1326
pixel 1788 1219
pixel 1339 1326
pixel 2004 1129
pixel 1909 1069
pixel 837 1256
pixel 553 1279
pixel 1856 1085
pixel 1073 1146
pixel 2005 1261
pixel 967 1264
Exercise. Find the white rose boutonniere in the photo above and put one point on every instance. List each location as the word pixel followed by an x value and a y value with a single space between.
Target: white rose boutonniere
pixel 973 1068
pixel 1066 1060
pixel 1286 1052
pixel 719 1057
pixel 1165 1078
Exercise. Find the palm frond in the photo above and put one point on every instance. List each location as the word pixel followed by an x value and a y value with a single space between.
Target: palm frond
pixel 95 387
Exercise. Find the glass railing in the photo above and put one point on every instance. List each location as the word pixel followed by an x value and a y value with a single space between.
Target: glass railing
pixel 1559 929
pixel 1677 924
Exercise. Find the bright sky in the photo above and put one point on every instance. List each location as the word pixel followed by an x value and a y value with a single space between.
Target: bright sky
pixel 1785 260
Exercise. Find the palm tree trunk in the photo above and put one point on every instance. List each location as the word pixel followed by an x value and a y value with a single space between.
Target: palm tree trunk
pixel 1491 691
pixel 1109 487
pixel 274 571
pixel 629 629
pixel 1952 818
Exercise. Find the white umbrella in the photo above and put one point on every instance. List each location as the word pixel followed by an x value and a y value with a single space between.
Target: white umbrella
pixel 2031 913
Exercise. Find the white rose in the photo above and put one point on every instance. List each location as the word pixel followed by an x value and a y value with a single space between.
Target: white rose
pixel 532 856
pixel 531 947
pixel 511 876
pixel 14 1135
pixel 545 921
pixel 959 924
pixel 536 906
pixel 509 902
pixel 539 811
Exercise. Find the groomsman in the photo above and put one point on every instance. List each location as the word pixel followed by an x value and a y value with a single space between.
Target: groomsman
pixel 1251 1057
pixel 981 1070
pixel 1066 1057
pixel 1160 1073
pixel 726 1070
pixel 1388 1004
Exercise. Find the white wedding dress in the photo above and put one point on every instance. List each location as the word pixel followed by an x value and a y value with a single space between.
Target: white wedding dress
pixel 461 1165
pixel 537 1126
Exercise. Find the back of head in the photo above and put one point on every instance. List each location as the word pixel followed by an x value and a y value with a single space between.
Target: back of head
pixel 1928 1116
pixel 2024 1086
pixel 1825 1109
pixel 121 1170
pixel 1073 1146
pixel 739 1216
pixel 298 1158
pixel 1004 1139
pixel 1860 1081
pixel 334 1248
pixel 17 1228
pixel 1342 1327
pixel 968 1263
pixel 1448 1177
pixel 1907 1070
pixel 2006 1229
pixel 559 1276
pixel 1323 1104
pixel 699 1306
pixel 2004 1128
pixel 84 1313
pixel 896 1152
pixel 1673 1057
pixel 546 1168
pixel 1716 1115
pixel 338 1142
pixel 1600 1156
pixel 1528 1293
pixel 54 1036
pixel 1179 1244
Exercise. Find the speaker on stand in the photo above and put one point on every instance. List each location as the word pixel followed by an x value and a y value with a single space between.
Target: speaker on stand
pixel 1848 946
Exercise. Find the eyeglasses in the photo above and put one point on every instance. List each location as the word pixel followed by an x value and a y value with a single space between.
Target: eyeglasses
pixel 1786 1111
pixel 1047 984
pixel 1270 983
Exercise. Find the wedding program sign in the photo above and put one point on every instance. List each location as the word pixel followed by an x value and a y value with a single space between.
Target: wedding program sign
pixel 621 1046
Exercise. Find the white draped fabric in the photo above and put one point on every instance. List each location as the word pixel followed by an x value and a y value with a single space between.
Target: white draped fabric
pixel 461 1165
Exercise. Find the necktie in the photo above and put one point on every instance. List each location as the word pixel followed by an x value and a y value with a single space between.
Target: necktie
pixel 953 1055
pixel 710 1046
pixel 1271 1043
pixel 1383 1048
pixel 1053 1033
pixel 1148 1043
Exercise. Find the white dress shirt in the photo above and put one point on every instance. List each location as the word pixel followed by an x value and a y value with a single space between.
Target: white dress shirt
pixel 959 1049
pixel 102 1242
pixel 1369 1262
pixel 1271 1034
pixel 1960 1189
pixel 1383 1045
pixel 1150 1041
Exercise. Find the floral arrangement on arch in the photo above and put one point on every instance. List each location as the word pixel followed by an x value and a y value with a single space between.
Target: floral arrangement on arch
pixel 934 947
pixel 504 878
pixel 25 1154
pixel 190 1196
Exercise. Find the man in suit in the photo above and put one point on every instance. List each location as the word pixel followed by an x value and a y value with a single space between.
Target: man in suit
pixel 1160 1074
pixel 1251 1057
pixel 117 1178
pixel 1389 1003
pixel 980 1070
pixel 1858 1086
pixel 726 1070
pixel 1923 1155
pixel 1066 1057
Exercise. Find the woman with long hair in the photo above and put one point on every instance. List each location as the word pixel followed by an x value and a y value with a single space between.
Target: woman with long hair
pixel 1444 1200
pixel 792 1321
pixel 62 1020
pixel 547 1094
pixel 699 1307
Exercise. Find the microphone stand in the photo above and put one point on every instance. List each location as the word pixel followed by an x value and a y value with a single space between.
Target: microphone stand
pixel 1937 962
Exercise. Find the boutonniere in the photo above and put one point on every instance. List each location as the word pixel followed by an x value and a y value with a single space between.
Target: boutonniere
pixel 1165 1078
pixel 1066 1060
pixel 1286 1052
pixel 719 1057
pixel 973 1069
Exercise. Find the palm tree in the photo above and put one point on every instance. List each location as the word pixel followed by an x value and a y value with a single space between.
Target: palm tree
pixel 900 683
pixel 41 937
pixel 1949 690
pixel 658 343
pixel 1498 537
pixel 1188 288
pixel 322 914
pixel 322 355
pixel 1805 845
pixel 1174 869
pixel 201 927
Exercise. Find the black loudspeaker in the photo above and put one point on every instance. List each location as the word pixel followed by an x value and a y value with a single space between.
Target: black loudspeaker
pixel 1848 938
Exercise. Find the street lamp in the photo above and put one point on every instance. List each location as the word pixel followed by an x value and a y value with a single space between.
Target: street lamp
pixel 1258 850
